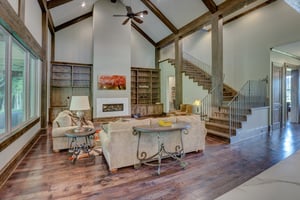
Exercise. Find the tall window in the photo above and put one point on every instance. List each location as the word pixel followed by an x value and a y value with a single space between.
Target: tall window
pixel 3 60
pixel 17 85
pixel 33 87
pixel 19 75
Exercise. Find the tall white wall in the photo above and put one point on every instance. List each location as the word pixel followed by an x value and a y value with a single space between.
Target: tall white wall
pixel 112 49
pixel 142 51
pixel 75 43
pixel 247 42
pixel 33 19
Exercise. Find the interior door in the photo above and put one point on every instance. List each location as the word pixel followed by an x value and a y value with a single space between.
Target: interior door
pixel 277 78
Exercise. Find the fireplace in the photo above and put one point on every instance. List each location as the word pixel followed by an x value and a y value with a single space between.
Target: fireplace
pixel 112 107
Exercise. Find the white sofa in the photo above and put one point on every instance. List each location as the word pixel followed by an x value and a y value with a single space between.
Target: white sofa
pixel 61 124
pixel 119 145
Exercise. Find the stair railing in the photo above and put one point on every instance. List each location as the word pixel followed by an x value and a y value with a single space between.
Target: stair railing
pixel 206 108
pixel 252 94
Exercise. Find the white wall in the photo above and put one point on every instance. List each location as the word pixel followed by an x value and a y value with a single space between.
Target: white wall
pixel 112 49
pixel 191 90
pixel 247 42
pixel 167 52
pixel 33 19
pixel 142 51
pixel 75 43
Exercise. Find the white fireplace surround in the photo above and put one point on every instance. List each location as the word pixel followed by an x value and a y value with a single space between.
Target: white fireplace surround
pixel 101 101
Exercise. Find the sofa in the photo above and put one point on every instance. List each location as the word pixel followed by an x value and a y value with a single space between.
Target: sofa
pixel 119 145
pixel 65 121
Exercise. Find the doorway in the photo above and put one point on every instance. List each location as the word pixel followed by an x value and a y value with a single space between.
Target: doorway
pixel 292 99
pixel 277 77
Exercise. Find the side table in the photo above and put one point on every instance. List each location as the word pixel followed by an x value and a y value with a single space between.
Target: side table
pixel 178 154
pixel 74 146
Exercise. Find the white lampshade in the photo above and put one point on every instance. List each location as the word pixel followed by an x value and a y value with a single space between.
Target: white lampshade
pixel 197 102
pixel 80 103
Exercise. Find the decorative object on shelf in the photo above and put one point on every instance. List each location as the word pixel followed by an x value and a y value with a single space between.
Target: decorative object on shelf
pixel 79 104
pixel 197 104
pixel 111 82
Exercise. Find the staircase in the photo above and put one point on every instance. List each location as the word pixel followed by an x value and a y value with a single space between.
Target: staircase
pixel 227 120
pixel 203 79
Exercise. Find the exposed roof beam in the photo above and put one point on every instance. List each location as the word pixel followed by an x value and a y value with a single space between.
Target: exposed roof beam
pixel 73 21
pixel 43 5
pixel 211 5
pixel 224 9
pixel 160 15
pixel 51 23
pixel 142 33
pixel 55 3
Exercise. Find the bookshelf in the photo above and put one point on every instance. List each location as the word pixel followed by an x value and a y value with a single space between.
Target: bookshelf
pixel 145 91
pixel 67 80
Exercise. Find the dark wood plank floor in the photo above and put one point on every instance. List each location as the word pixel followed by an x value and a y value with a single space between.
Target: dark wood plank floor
pixel 221 167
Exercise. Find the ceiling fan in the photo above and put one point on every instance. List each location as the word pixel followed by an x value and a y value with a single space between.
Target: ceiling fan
pixel 131 15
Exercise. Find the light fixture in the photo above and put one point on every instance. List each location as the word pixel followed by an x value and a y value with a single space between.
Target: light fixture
pixel 79 104
pixel 83 4
pixel 197 104
pixel 295 4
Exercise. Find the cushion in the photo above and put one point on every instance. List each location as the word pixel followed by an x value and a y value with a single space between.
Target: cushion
pixel 63 120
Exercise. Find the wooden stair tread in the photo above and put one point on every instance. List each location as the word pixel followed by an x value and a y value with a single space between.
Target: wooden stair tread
pixel 218 133
pixel 217 125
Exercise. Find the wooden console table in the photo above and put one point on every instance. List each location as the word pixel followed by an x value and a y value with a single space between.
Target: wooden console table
pixel 178 154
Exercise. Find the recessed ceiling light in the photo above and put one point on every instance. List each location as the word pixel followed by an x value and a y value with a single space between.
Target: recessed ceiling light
pixel 83 4
pixel 294 4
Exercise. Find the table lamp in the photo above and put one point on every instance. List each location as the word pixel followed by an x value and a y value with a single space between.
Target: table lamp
pixel 197 104
pixel 79 104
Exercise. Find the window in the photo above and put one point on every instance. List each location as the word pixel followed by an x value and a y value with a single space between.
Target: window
pixel 33 87
pixel 17 85
pixel 3 61
pixel 19 75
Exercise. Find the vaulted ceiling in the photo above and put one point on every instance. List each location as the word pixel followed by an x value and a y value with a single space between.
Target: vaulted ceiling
pixel 166 19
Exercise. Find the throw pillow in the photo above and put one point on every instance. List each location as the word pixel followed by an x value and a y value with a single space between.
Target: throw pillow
pixel 63 120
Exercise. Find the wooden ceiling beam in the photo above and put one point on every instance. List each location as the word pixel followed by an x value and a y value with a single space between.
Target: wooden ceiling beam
pixel 211 5
pixel 223 10
pixel 142 33
pixel 55 3
pixel 160 15
pixel 73 21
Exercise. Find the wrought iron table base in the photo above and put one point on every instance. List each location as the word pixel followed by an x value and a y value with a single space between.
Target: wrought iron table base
pixel 162 152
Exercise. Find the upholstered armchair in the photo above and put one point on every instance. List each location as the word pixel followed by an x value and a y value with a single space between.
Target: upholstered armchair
pixel 65 121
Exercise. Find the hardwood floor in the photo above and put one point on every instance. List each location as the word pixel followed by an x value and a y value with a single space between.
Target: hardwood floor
pixel 221 167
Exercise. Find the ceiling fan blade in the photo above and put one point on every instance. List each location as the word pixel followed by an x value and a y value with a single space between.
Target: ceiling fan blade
pixel 144 12
pixel 120 15
pixel 129 10
pixel 125 21
pixel 138 20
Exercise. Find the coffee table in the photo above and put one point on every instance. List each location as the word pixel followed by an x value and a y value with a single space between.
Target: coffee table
pixel 74 146
pixel 178 154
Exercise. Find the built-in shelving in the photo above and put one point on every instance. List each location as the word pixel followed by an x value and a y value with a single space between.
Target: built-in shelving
pixel 145 91
pixel 67 80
